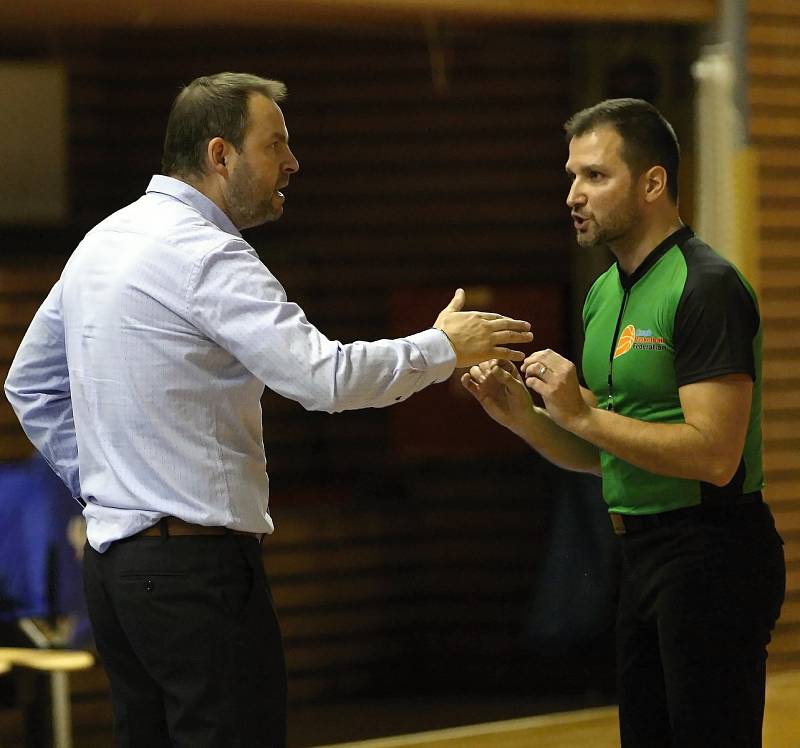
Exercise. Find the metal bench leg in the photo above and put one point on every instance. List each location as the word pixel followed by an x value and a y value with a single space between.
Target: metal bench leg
pixel 62 718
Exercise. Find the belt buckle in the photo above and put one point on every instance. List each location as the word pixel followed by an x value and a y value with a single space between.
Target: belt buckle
pixel 617 523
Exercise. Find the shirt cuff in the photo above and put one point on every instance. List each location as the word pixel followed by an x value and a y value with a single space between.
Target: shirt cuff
pixel 437 352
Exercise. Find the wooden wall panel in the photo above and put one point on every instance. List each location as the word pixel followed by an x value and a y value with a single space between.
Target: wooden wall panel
pixel 403 185
pixel 22 290
pixel 83 14
pixel 774 67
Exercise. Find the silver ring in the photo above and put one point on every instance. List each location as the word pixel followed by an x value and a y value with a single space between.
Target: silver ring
pixel 542 370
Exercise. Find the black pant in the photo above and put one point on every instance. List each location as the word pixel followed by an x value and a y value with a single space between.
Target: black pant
pixel 698 602
pixel 186 629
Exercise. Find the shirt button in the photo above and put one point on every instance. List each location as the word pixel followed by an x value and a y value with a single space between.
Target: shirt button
pixel 148 585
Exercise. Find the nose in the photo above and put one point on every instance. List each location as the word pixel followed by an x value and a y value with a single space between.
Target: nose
pixel 575 196
pixel 292 166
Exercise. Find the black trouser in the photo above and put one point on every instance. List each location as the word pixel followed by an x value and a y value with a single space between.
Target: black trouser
pixel 698 602
pixel 187 632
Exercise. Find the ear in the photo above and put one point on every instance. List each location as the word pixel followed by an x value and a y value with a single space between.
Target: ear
pixel 655 183
pixel 217 152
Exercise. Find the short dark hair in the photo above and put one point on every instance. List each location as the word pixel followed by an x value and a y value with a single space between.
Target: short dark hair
pixel 209 107
pixel 647 138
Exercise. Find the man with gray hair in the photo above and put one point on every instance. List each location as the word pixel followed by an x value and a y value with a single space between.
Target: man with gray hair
pixel 140 381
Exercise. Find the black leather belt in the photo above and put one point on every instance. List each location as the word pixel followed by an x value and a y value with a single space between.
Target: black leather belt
pixel 625 524
pixel 169 526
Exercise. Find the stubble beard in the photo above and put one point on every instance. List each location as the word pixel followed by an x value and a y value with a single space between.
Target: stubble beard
pixel 248 207
pixel 618 225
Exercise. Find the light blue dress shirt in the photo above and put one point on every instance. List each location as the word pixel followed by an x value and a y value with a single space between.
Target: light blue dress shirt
pixel 140 377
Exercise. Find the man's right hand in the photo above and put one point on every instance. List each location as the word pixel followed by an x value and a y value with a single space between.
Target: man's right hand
pixel 479 336
pixel 498 387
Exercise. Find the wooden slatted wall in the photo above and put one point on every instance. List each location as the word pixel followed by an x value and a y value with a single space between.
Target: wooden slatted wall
pixel 403 184
pixel 21 293
pixel 774 68
pixel 404 187
pixel 53 14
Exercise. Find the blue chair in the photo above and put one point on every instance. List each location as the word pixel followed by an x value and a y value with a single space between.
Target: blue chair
pixel 41 540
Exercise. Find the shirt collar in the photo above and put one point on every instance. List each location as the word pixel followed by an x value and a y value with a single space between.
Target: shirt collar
pixel 190 196
pixel 675 238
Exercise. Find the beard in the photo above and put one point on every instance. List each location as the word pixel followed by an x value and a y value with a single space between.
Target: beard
pixel 247 204
pixel 617 225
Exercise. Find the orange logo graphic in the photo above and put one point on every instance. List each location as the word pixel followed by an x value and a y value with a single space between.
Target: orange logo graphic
pixel 626 340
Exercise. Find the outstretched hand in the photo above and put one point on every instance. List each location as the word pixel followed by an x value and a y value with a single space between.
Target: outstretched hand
pixel 498 387
pixel 479 336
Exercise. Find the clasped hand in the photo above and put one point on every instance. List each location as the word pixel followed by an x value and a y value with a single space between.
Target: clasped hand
pixel 500 388
pixel 555 378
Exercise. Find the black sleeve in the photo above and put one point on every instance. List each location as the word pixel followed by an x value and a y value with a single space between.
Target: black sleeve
pixel 715 323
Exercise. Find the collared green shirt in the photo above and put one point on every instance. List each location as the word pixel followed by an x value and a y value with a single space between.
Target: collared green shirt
pixel 685 315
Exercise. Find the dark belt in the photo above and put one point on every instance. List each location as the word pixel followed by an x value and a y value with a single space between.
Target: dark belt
pixel 169 526
pixel 624 524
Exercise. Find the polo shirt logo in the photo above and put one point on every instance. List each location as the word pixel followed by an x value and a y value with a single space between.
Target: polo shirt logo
pixel 625 342
pixel 639 340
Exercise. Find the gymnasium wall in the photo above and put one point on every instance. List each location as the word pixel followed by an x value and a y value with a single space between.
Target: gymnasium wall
pixel 774 69
pixel 430 158
pixel 426 164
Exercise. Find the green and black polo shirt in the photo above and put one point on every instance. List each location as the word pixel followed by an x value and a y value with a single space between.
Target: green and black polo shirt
pixel 685 315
